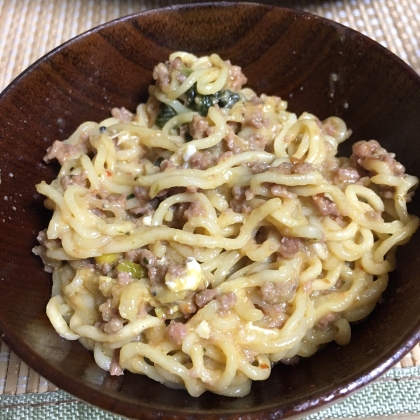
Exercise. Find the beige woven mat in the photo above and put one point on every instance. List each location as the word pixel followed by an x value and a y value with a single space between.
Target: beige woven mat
pixel 31 28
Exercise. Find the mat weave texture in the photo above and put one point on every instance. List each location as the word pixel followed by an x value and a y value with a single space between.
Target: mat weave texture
pixel 395 394
pixel 31 28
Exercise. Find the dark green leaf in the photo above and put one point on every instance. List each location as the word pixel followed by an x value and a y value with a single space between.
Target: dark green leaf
pixel 158 161
pixel 202 103
pixel 166 112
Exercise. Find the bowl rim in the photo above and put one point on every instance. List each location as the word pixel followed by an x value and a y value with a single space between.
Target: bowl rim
pixel 353 382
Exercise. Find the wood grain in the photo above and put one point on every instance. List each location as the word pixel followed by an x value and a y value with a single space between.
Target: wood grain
pixel 283 52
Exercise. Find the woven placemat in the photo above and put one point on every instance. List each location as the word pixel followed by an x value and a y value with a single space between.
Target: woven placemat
pixel 31 28
pixel 395 395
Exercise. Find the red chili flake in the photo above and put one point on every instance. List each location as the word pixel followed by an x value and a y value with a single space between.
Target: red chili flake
pixel 264 366
pixel 109 173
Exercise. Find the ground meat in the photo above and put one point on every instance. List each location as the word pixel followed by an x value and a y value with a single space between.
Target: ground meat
pixel 275 293
pixel 366 153
pixel 146 205
pixel 142 194
pixel 143 256
pixel 345 175
pixel 245 141
pixel 124 115
pixel 120 199
pixel 329 128
pixel 115 368
pixel 325 206
pixel 238 192
pixel 239 203
pixel 195 209
pixel 282 192
pixel 330 164
pixel 257 141
pixel 254 117
pixel 256 100
pixel 249 194
pixel 202 160
pixel 324 322
pixel 104 268
pixel 45 244
pixel 289 246
pixel 62 152
pixel 296 167
pixel 274 314
pixel 226 302
pixel 68 180
pixel 198 127
pixel 175 271
pixel 156 267
pixel 236 78
pixel 204 297
pixel 176 331
pixel 235 143
pixel 167 165
pixel 114 325
pixel 176 64
pixel 161 75
pixel 258 167
pixel 124 278
pixel 157 274
pixel 240 206
pixel 107 310
pixel 234 126
pixel 111 316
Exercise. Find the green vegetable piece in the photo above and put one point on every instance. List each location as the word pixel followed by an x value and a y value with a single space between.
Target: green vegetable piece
pixel 166 112
pixel 202 103
pixel 129 197
pixel 158 161
pixel 185 71
pixel 227 98
pixel 137 271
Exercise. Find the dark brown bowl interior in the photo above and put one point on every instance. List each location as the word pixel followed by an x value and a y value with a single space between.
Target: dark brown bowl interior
pixel 282 52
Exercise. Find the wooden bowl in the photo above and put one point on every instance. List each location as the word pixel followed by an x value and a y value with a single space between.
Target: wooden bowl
pixel 316 65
